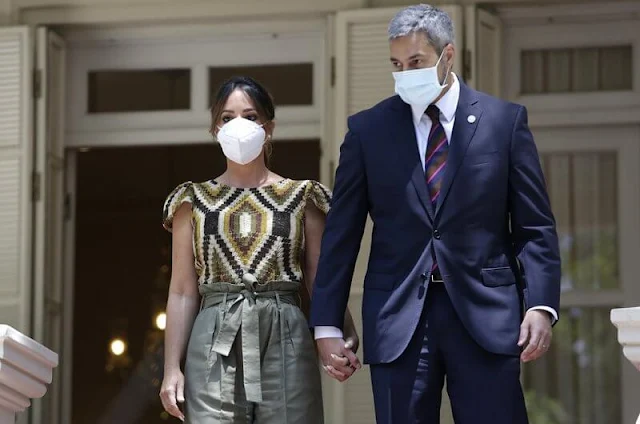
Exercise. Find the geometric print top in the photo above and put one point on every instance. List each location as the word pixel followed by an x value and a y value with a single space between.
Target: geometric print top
pixel 247 230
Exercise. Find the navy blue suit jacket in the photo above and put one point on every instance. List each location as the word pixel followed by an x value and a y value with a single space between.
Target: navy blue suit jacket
pixel 493 208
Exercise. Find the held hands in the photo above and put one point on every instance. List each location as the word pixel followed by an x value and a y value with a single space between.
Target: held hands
pixel 172 393
pixel 338 356
pixel 536 330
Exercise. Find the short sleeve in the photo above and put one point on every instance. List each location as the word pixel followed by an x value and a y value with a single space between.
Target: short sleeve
pixel 181 194
pixel 319 195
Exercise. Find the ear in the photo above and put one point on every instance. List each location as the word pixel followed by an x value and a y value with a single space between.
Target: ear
pixel 213 130
pixel 269 127
pixel 450 54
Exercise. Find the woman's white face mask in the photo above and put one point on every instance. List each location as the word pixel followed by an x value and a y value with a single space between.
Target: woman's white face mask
pixel 241 140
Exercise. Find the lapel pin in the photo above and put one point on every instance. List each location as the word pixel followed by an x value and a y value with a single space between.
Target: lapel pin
pixel 471 119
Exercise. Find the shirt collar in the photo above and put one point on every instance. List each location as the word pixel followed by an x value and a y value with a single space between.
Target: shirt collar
pixel 447 103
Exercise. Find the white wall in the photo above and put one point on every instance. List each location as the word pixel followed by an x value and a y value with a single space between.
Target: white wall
pixel 5 12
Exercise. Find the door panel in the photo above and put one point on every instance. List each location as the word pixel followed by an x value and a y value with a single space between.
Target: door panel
pixel 363 78
pixel 592 177
pixel 15 173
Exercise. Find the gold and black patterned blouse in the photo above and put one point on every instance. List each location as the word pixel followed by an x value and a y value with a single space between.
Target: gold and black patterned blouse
pixel 247 230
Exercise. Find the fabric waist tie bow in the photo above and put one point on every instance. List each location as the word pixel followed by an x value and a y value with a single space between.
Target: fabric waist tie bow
pixel 241 316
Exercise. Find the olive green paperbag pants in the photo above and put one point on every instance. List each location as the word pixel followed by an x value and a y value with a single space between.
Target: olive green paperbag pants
pixel 251 358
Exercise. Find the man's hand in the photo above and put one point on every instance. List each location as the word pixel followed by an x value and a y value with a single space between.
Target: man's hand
pixel 338 360
pixel 536 330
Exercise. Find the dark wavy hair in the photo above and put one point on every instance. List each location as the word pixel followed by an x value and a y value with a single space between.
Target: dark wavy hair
pixel 261 98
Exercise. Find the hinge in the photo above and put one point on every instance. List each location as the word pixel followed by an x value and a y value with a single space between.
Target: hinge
pixel 467 66
pixel 37 83
pixel 333 71
pixel 36 186
pixel 67 207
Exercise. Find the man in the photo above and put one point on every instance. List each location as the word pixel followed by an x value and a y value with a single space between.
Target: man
pixel 463 279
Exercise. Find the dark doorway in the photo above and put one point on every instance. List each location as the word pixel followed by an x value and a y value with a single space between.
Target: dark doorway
pixel 122 269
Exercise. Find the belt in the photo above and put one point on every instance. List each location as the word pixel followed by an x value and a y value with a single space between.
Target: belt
pixel 240 317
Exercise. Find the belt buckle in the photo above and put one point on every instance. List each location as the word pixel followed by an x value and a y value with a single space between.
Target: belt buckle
pixel 436 280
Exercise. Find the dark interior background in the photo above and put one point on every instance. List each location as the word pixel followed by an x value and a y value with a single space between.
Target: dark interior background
pixel 122 268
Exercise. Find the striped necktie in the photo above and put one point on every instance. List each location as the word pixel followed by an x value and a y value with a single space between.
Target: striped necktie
pixel 435 159
pixel 436 156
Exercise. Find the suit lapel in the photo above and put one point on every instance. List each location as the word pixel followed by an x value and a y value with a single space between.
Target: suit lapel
pixel 463 131
pixel 405 133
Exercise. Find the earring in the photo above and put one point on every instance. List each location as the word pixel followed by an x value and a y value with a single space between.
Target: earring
pixel 269 149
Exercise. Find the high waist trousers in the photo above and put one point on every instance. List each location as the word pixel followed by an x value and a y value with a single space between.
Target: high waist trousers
pixel 251 358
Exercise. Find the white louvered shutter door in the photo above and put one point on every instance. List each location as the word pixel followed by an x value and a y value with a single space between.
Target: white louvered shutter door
pixel 15 181
pixel 483 38
pixel 363 78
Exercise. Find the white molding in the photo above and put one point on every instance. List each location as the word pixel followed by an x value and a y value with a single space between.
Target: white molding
pixel 174 136
pixel 168 120
pixel 26 368
pixel 194 32
pixel 563 13
pixel 52 13
pixel 367 15
pixel 611 106
pixel 195 48
pixel 564 118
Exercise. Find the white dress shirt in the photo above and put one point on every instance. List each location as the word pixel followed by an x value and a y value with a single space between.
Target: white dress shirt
pixel 422 124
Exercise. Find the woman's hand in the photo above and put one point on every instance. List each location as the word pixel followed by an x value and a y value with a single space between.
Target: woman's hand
pixel 172 393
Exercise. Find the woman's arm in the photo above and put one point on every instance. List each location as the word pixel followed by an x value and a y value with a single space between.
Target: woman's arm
pixel 182 306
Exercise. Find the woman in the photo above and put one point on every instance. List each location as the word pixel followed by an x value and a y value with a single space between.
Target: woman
pixel 243 246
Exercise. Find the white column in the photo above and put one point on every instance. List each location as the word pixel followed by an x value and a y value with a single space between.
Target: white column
pixel 26 367
pixel 627 320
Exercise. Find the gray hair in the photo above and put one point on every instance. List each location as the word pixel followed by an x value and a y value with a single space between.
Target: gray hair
pixel 433 22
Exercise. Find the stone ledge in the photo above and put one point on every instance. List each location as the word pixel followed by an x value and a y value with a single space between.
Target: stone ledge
pixel 627 320
pixel 26 367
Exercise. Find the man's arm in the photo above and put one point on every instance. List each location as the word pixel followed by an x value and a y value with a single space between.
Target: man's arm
pixel 532 222
pixel 342 236
pixel 339 252
pixel 535 239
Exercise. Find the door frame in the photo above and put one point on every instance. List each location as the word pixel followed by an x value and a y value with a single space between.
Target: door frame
pixel 68 257
pixel 48 280
pixel 322 93
pixel 195 48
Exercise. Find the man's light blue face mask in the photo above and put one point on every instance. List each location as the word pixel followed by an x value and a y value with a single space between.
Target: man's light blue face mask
pixel 420 87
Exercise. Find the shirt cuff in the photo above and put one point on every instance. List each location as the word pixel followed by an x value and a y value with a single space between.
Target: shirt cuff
pixel 553 312
pixel 327 332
